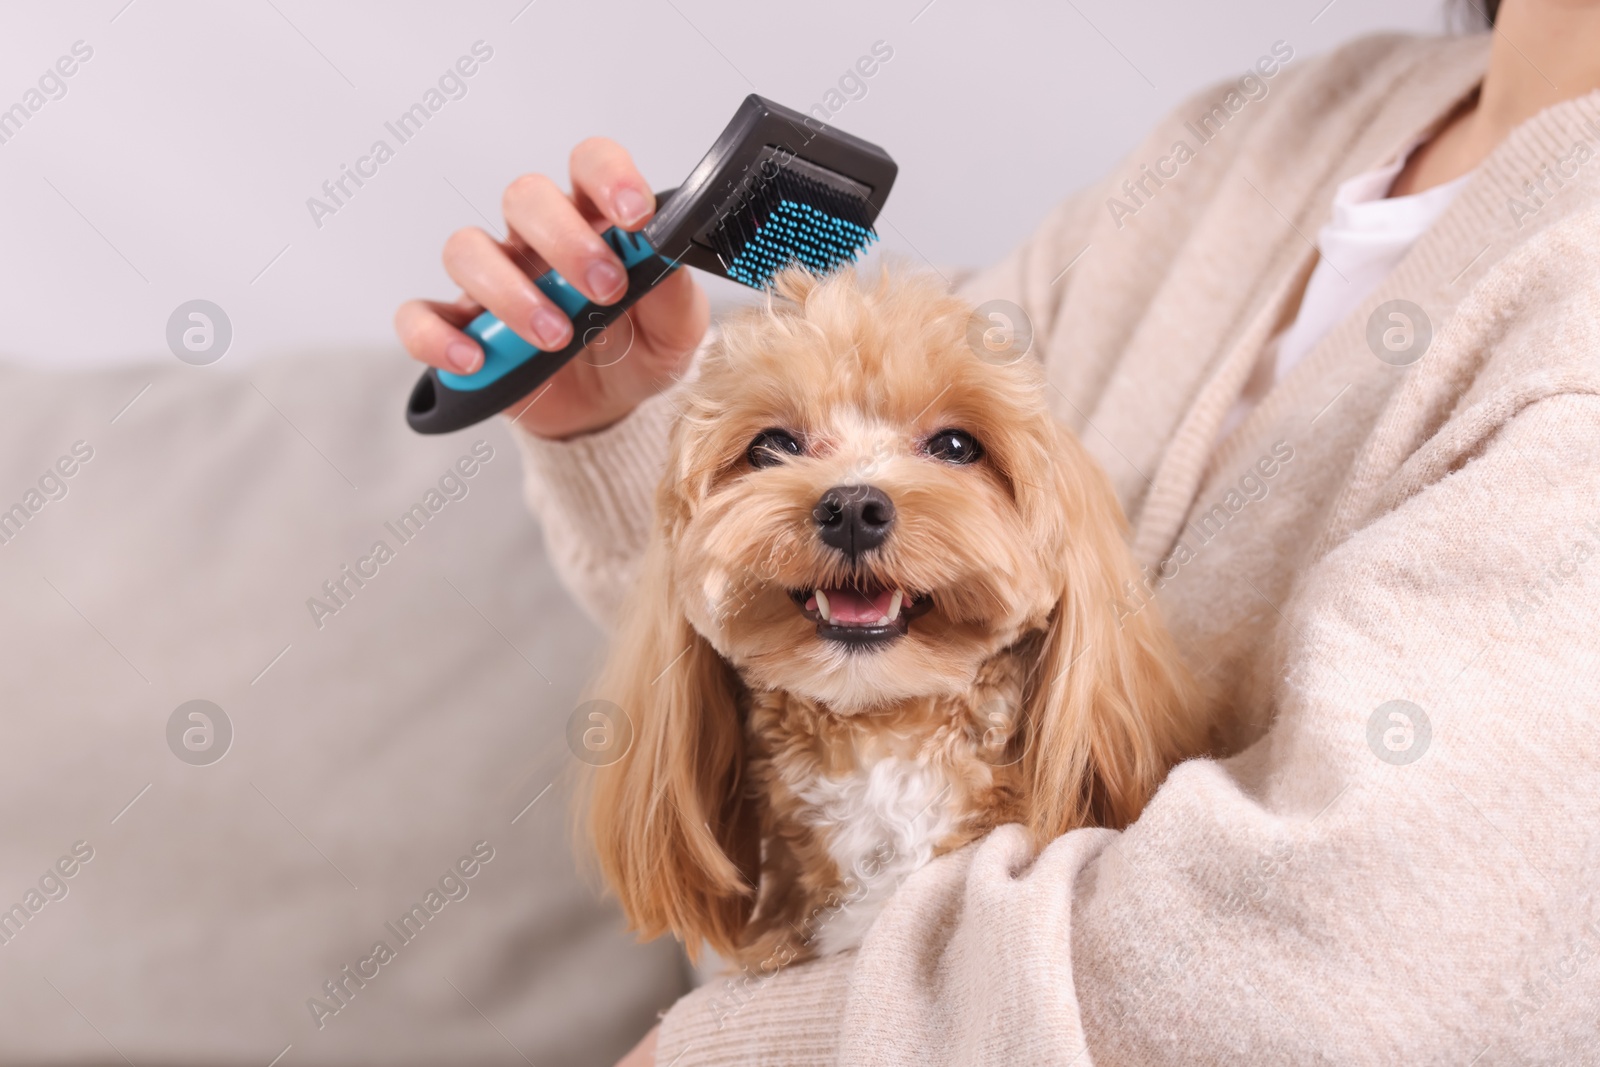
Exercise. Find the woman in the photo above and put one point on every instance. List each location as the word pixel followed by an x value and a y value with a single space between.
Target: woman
pixel 1363 488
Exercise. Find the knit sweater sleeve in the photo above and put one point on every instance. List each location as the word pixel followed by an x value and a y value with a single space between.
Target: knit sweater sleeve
pixel 593 496
pixel 1336 893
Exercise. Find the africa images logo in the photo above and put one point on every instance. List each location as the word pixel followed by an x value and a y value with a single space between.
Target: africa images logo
pixel 338 191
pixel 52 486
pixel 51 85
pixel 452 886
pixel 453 484
pixel 1207 127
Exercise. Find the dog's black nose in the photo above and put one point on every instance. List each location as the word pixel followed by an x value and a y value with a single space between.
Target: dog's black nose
pixel 854 518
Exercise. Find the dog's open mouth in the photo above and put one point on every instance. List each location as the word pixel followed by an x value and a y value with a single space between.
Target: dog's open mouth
pixel 861 615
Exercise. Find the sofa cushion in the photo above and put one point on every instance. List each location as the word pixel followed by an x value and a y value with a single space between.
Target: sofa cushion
pixel 398 768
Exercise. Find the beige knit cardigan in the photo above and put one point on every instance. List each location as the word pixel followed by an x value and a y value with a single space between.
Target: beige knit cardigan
pixel 1365 881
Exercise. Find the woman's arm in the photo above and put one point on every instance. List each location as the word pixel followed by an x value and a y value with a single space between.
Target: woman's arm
pixel 1325 896
pixel 594 496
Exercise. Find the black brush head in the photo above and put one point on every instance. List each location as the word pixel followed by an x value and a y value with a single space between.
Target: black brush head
pixel 778 187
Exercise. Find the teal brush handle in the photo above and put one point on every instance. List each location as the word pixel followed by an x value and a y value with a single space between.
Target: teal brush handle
pixel 512 368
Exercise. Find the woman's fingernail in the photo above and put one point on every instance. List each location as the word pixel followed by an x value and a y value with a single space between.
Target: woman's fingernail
pixel 551 328
pixel 631 206
pixel 606 279
pixel 462 356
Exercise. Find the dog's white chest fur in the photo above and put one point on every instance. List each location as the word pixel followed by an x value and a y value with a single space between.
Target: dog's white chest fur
pixel 880 824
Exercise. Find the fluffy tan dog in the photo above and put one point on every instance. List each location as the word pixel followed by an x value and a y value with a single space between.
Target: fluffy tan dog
pixel 877 618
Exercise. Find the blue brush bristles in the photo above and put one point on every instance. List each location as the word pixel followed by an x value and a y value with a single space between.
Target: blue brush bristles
pixel 787 219
pixel 796 231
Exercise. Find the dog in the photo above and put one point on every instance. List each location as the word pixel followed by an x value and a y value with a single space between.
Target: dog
pixel 877 618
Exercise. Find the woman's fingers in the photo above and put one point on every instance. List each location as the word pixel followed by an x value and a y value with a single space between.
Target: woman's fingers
pixel 544 217
pixel 607 185
pixel 548 229
pixel 486 273
pixel 431 332
pixel 555 229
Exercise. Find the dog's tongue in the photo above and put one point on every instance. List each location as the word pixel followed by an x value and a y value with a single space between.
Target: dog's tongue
pixel 852 606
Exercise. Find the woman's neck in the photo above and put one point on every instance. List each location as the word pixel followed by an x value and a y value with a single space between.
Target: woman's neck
pixel 1543 52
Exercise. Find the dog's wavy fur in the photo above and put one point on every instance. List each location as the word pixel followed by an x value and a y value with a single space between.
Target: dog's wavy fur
pixel 734 697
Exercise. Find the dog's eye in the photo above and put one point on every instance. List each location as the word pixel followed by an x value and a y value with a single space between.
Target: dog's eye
pixel 953 446
pixel 772 447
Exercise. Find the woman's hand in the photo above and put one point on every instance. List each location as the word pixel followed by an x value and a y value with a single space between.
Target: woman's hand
pixel 548 228
pixel 644 1053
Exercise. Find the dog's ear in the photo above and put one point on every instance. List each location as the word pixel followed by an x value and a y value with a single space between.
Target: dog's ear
pixel 1110 706
pixel 675 836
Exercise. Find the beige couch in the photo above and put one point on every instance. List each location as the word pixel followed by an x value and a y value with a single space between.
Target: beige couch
pixel 375 747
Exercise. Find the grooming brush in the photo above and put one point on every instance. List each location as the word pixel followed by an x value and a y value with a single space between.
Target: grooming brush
pixel 776 188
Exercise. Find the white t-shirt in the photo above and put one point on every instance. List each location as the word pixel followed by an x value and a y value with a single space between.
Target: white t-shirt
pixel 1369 233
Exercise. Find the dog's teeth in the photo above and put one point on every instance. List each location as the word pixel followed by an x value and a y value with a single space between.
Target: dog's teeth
pixel 894 606
pixel 822 606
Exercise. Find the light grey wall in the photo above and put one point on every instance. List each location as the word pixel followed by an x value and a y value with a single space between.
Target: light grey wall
pixel 179 161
